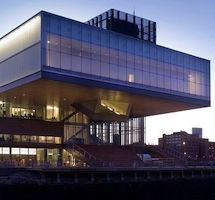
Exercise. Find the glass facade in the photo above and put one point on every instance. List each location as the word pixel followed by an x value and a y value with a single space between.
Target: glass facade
pixel 29 157
pixel 94 53
pixel 20 51
pixel 119 133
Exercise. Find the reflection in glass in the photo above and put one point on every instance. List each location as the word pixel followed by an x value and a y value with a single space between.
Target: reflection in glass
pixel 109 55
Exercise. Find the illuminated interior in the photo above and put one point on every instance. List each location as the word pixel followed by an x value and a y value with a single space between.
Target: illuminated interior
pixel 52 112
pixel 119 108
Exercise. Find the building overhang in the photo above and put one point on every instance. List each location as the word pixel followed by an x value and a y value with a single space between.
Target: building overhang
pixel 51 88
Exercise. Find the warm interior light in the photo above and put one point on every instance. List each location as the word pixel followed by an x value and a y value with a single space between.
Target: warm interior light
pixel 52 112
pixel 131 78
pixel 48 107
pixel 118 108
pixel 117 112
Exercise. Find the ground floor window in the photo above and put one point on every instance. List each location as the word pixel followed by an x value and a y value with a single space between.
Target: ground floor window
pixel 30 157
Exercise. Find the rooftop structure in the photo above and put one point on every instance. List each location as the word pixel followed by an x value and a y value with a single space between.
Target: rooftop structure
pixel 118 21
pixel 197 132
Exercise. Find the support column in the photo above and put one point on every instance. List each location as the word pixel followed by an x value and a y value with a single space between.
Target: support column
pixel 108 133
pixel 142 130
pixel 45 156
pixel 60 158
pixel 127 132
pixel 10 149
pixel 120 134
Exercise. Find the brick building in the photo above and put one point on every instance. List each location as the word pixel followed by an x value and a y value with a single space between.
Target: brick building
pixel 184 145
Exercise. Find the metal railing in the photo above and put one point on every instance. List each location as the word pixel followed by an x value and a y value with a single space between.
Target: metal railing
pixel 81 150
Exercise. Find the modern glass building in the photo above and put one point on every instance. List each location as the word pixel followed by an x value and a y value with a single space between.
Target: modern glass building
pixel 64 82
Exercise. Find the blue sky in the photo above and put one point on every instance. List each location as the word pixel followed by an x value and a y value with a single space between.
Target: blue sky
pixel 184 25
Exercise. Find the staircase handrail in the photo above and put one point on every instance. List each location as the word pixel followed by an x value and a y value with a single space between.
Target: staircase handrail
pixel 83 151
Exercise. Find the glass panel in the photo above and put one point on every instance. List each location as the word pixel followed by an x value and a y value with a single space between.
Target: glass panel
pixel 122 59
pixel 114 57
pixel 33 138
pixel 130 75
pixel 105 40
pixel 153 66
pixel 42 139
pixel 95 36
pixel 95 52
pixel 114 71
pixel 76 30
pixel 130 46
pixel 76 48
pixel 54 59
pixel 54 42
pixel 66 28
pixel 50 139
pixel 86 33
pixel 86 50
pixel 105 70
pixel 130 60
pixel 167 82
pixel 153 79
pixel 6 150
pixel 122 74
pixel 66 45
pixel 23 151
pixel 138 62
pixel 138 77
pixel 105 54
pixel 17 138
pixel 52 112
pixel 25 138
pixel 57 140
pixel 95 68
pixel 86 65
pixel 66 61
pixel 32 151
pixel 145 64
pixel 76 63
pixel 121 15
pixel 114 41
pixel 1 137
pixel 7 137
pixel 146 80
pixel 54 25
pixel 15 151
pixel 122 44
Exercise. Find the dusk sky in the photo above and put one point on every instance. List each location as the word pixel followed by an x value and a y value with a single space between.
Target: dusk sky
pixel 184 25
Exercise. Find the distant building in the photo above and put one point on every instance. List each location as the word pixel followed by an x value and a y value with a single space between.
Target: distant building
pixel 184 145
pixel 197 132
pixel 211 150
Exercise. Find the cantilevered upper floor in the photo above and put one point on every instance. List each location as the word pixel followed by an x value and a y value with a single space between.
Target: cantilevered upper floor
pixel 51 59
